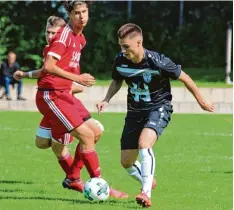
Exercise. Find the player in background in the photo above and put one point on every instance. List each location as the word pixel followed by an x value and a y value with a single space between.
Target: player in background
pixel 147 74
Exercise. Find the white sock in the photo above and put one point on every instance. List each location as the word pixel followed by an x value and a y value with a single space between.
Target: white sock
pixel 135 171
pixel 147 169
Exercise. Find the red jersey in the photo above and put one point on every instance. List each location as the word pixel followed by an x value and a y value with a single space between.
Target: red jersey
pixel 66 47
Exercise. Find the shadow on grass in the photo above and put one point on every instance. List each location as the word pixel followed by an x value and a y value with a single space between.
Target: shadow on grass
pixel 130 204
pixel 124 203
pixel 15 182
pixel 42 198
pixel 10 190
pixel 222 172
pixel 127 203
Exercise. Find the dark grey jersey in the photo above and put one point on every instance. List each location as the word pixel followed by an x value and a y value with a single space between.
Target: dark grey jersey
pixel 148 81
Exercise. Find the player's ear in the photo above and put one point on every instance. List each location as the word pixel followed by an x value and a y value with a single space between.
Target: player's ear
pixel 139 42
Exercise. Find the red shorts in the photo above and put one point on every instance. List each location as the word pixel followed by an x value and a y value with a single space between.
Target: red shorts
pixel 62 113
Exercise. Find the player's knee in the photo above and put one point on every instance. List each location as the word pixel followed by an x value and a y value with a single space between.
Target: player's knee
pixel 90 138
pixel 97 135
pixel 146 144
pixel 59 150
pixel 143 145
pixel 126 163
pixel 42 143
pixel 87 136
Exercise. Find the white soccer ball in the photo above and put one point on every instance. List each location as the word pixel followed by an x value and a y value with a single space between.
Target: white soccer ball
pixel 96 189
pixel 100 125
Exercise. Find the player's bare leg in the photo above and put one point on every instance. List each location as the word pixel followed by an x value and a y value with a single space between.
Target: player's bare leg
pixel 42 143
pixel 87 148
pixel 78 161
pixel 78 164
pixel 87 155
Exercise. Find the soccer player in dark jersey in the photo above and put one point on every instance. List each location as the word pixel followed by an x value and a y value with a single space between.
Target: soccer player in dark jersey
pixel 147 74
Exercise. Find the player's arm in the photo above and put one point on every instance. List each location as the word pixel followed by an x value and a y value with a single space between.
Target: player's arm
pixel 173 71
pixel 112 90
pixel 51 67
pixel 34 74
pixel 192 87
pixel 77 88
pixel 114 87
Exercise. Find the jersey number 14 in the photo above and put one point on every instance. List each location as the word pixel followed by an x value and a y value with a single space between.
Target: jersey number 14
pixel 139 93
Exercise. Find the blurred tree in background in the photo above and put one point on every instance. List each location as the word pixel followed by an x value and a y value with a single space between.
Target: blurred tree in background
pixel 199 42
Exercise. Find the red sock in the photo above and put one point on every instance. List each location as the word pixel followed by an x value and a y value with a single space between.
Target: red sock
pixel 77 165
pixel 66 163
pixel 91 162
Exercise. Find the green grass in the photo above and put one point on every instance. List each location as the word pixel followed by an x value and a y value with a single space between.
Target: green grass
pixel 193 156
pixel 203 77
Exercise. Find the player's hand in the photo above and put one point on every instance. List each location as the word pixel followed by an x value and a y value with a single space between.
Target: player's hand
pixel 100 106
pixel 207 106
pixel 18 75
pixel 86 79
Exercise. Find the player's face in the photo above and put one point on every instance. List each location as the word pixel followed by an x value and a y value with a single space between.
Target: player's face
pixel 50 32
pixel 130 47
pixel 11 58
pixel 79 16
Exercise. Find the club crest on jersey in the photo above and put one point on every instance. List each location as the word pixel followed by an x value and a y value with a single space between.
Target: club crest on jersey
pixel 147 77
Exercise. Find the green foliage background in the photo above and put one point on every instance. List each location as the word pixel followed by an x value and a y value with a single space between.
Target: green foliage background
pixel 199 42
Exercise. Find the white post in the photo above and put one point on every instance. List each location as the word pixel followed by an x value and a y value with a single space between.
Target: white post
pixel 129 9
pixel 228 53
pixel 181 17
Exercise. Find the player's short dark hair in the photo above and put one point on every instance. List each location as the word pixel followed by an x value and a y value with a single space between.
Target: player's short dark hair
pixel 56 21
pixel 69 5
pixel 129 29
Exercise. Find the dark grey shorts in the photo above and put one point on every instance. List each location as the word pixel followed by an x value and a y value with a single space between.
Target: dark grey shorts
pixel 157 119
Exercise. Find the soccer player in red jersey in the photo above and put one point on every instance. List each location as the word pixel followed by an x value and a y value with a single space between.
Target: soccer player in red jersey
pixel 66 114
pixel 43 137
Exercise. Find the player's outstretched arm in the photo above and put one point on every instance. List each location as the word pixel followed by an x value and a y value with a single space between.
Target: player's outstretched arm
pixel 192 87
pixel 18 75
pixel 51 67
pixel 77 88
pixel 112 90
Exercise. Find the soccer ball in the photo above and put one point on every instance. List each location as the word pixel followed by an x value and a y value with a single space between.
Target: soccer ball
pixel 96 189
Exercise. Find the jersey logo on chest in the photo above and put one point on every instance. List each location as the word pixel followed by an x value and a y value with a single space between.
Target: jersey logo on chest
pixel 147 76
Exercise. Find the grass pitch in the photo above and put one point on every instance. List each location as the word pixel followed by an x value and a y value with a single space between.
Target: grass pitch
pixel 193 166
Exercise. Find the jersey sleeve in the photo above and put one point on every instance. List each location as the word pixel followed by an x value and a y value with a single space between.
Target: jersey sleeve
pixel 169 68
pixel 115 74
pixel 59 43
